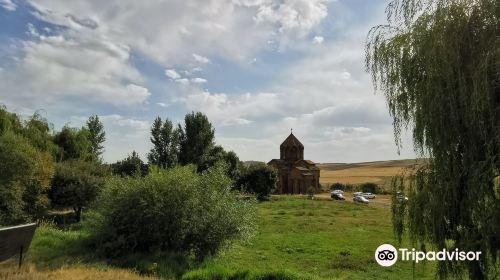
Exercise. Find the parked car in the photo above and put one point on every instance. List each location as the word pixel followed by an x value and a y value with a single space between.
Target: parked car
pixel 361 199
pixel 400 196
pixel 337 196
pixel 356 193
pixel 337 191
pixel 368 195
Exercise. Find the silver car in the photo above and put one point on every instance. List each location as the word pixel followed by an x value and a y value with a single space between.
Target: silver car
pixel 368 195
pixel 361 199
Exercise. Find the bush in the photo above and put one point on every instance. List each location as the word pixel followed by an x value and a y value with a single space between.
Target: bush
pixel 25 174
pixel 369 187
pixel 174 210
pixel 76 184
pixel 259 179
pixel 130 166
pixel 337 186
pixel 344 187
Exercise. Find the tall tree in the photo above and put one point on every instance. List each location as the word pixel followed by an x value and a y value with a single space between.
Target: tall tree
pixel 97 136
pixel 73 143
pixel 437 62
pixel 165 143
pixel 196 139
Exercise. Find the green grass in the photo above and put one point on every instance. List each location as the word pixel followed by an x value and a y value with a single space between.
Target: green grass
pixel 297 238
pixel 328 239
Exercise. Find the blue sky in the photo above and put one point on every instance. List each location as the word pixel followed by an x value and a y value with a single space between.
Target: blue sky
pixel 256 67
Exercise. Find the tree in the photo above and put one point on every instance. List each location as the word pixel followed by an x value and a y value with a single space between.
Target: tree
pixel 259 179
pixel 96 135
pixel 36 130
pixel 9 121
pixel 217 154
pixel 132 165
pixel 196 139
pixel 165 144
pixel 40 134
pixel 25 178
pixel 437 63
pixel 76 184
pixel 74 143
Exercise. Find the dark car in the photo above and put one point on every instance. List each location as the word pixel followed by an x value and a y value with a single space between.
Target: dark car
pixel 337 196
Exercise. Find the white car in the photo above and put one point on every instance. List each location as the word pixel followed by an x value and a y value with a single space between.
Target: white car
pixel 356 193
pixel 337 191
pixel 361 199
pixel 368 195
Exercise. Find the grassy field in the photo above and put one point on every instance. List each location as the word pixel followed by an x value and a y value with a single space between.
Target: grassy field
pixel 316 239
pixel 379 172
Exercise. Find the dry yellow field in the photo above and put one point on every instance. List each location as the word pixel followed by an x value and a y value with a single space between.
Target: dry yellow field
pixel 29 272
pixel 356 173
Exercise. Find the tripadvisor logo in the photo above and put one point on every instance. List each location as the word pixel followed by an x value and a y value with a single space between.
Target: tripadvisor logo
pixel 387 255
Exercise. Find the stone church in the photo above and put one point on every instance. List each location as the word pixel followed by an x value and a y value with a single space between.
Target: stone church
pixel 295 175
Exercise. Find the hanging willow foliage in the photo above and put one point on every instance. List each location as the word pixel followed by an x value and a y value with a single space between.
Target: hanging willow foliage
pixel 438 64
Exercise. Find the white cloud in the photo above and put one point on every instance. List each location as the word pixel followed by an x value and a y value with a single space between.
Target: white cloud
pixel 8 5
pixel 198 80
pixel 235 121
pixel 224 109
pixel 162 104
pixel 318 40
pixel 201 59
pixel 172 74
pixel 292 15
pixel 73 66
pixel 170 32
pixel 345 75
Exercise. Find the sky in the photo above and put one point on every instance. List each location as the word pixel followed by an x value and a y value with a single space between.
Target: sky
pixel 256 68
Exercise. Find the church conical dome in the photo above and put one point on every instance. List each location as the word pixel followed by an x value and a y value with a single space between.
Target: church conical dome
pixel 291 149
pixel 291 141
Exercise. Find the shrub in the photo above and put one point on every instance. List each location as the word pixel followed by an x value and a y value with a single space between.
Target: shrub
pixel 174 210
pixel 130 166
pixel 76 184
pixel 258 179
pixel 337 186
pixel 25 174
pixel 344 187
pixel 369 187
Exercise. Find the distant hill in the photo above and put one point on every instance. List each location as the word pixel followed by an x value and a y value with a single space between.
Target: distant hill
pixel 356 173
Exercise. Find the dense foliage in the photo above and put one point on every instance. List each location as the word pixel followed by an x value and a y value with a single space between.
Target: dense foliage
pixel 193 143
pixel 96 136
pixel 130 166
pixel 259 179
pixel 74 143
pixel 369 187
pixel 437 63
pixel 165 140
pixel 172 210
pixel 76 184
pixel 25 178
pixel 196 139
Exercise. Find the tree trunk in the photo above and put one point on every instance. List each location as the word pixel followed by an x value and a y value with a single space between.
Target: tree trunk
pixel 78 214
